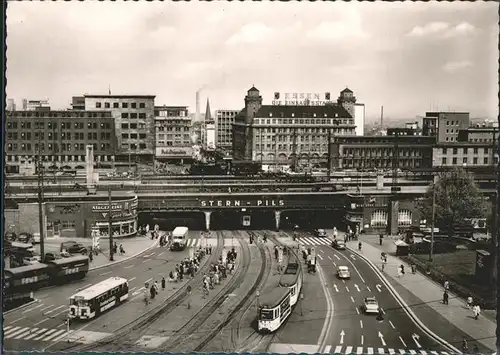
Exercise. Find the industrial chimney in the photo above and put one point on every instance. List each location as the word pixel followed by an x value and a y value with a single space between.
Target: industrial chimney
pixel 197 118
pixel 381 117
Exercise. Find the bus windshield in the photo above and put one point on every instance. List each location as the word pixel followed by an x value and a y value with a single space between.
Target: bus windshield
pixel 267 314
pixel 79 302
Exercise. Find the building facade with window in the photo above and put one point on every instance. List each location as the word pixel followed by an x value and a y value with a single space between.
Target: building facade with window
pixel 173 142
pixel 59 138
pixel 224 120
pixel 290 135
pixel 445 125
pixel 464 154
pixel 134 123
pixel 377 152
pixel 76 218
pixel 479 134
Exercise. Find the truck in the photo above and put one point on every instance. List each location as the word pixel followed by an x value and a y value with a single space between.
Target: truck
pixel 179 236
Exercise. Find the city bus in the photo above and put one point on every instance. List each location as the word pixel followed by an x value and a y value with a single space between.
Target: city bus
pixel 97 299
pixel 179 236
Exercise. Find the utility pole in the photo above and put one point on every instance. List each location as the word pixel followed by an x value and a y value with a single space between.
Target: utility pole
pixel 433 218
pixel 329 158
pixel 110 226
pixel 40 201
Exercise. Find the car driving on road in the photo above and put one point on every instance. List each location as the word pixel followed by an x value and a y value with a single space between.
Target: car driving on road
pixel 73 248
pixel 370 305
pixel 338 244
pixel 343 272
pixel 320 233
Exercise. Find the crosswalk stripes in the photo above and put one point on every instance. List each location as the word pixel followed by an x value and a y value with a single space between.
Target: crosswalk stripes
pixel 314 241
pixel 52 335
pixel 341 349
pixel 203 242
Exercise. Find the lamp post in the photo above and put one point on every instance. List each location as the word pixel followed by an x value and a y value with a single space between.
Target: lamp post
pixel 433 219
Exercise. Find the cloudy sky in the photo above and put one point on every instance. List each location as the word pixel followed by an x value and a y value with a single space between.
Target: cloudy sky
pixel 408 57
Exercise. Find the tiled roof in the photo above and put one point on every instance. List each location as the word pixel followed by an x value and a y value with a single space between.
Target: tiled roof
pixel 253 88
pixel 346 90
pixel 303 111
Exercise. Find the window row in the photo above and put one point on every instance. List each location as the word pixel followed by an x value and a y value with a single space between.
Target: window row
pixel 58 158
pixel 309 147
pixel 380 152
pixel 134 136
pixel 173 136
pixel 117 105
pixel 133 146
pixel 133 126
pixel 465 150
pixel 465 160
pixel 54 148
pixel 134 115
pixel 187 143
pixel 54 125
pixel 170 129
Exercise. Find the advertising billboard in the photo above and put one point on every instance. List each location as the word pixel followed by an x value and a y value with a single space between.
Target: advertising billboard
pixel 174 152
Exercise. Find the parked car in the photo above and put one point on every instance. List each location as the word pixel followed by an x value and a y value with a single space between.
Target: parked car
pixel 320 233
pixel 31 260
pixel 73 247
pixel 338 244
pixel 370 305
pixel 26 238
pixel 343 272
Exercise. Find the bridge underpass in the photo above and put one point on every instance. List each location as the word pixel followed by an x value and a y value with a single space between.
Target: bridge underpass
pixel 311 219
pixel 234 220
pixel 167 221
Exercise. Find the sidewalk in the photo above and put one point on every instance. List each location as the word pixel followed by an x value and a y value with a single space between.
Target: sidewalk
pixel 133 247
pixel 483 329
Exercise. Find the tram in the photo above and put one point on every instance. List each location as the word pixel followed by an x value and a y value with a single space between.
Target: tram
pixel 276 306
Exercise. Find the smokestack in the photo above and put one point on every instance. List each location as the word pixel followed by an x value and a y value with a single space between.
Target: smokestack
pixel 381 116
pixel 197 118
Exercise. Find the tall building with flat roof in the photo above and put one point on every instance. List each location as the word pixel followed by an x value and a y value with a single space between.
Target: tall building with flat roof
pixel 173 143
pixel 445 125
pixel 224 120
pixel 59 138
pixel 134 123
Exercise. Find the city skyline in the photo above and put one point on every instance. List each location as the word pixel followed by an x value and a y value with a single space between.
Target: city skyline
pixel 408 57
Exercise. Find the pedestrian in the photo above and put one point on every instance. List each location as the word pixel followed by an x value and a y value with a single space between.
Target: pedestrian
pixel 276 252
pixel 465 346
pixel 445 297
pixel 152 292
pixel 469 302
pixel 402 270
pixel 91 257
pixel 477 311
pixel 446 285
pixel 157 287
pixel 163 283
pixel 381 237
pixel 413 268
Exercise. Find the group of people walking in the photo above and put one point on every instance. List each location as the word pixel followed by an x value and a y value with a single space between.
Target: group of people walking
pixel 218 272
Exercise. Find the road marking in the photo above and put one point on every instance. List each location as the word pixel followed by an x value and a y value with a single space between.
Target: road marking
pixel 382 310
pixel 64 310
pixel 392 325
pixel 423 352
pixel 379 288
pixel 338 349
pixel 319 256
pixel 381 336
pixel 161 253
pixel 145 261
pixel 342 334
pixel 334 264
pixel 348 350
pixel 352 299
pixel 148 280
pixel 335 255
pixel 45 334
pixel 35 334
pixel 329 257
pixel 132 279
pixel 381 351
pixel 404 344
pixel 55 309
pixel 413 352
pixel 353 257
pixel 23 334
pixel 62 335
pixel 362 340
pixel 368 287
pixel 147 255
pixel 359 350
pixel 402 351
pixel 415 338
pixel 128 267
pixel 391 351
pixel 335 287
pixel 42 321
pixel 17 320
pixel 106 273
pixel 14 331
pixel 327 349
pixel 33 308
pixel 357 287
pixel 357 310
pixel 361 323
pixel 321 251
pixel 434 352
pixel 60 331
pixel 347 288
pixel 370 351
pixel 323 338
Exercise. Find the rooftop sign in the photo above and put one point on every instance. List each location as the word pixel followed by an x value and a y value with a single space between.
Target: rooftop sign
pixel 301 99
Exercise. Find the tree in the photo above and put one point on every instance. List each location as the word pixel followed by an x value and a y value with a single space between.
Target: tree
pixel 457 199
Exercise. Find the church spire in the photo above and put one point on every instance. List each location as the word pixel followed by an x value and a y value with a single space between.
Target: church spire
pixel 208 115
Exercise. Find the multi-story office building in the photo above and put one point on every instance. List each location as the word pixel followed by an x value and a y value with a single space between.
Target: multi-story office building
pixel 464 154
pixel 224 120
pixel 290 135
pixel 445 125
pixel 173 141
pixel 134 123
pixel 479 134
pixel 59 138
pixel 378 152
pixel 11 105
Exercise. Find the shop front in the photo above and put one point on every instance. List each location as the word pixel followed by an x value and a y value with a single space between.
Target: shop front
pixel 81 219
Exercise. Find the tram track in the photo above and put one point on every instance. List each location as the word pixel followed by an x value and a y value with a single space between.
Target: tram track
pixel 120 335
pixel 195 336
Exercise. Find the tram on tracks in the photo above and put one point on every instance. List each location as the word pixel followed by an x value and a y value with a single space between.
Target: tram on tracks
pixel 276 306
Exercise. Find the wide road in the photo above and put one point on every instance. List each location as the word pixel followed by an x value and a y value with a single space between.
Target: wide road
pixel 40 325
pixel 364 332
pixel 351 330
